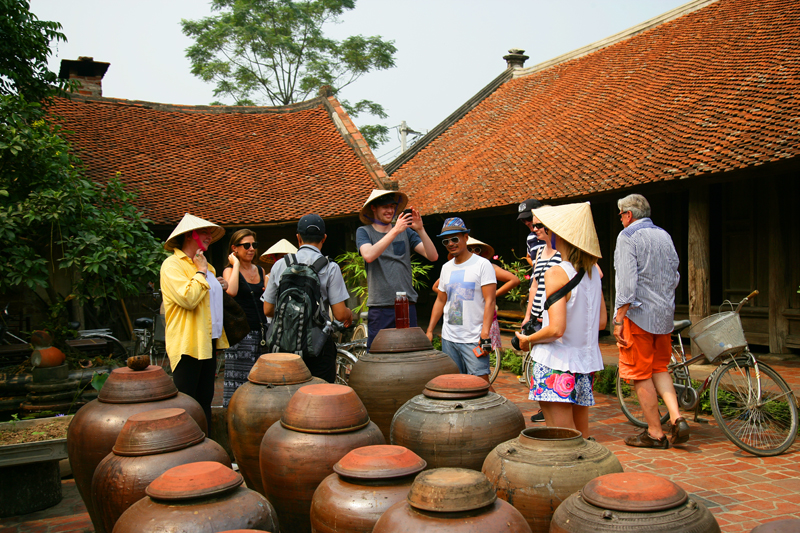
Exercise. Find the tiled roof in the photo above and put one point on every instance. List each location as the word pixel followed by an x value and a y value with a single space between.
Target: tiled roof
pixel 712 90
pixel 230 165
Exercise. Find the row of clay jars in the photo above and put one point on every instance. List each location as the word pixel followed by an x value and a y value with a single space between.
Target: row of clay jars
pixel 320 425
pixel 95 427
pixel 149 444
pixel 456 422
pixel 399 364
pixel 258 404
pixel 202 496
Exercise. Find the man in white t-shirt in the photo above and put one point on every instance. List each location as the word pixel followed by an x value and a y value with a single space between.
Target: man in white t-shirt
pixel 466 296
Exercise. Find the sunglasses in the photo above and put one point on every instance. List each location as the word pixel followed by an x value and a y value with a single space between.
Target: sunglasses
pixel 622 213
pixel 474 249
pixel 538 225
pixel 449 240
pixel 247 245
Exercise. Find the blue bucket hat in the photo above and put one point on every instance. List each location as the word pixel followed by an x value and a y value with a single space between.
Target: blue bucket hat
pixel 453 225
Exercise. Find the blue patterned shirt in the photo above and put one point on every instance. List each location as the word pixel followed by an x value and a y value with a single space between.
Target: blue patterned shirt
pixel 646 265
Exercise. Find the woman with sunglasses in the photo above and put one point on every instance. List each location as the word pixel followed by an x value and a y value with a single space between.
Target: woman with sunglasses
pixel 565 351
pixel 546 257
pixel 246 283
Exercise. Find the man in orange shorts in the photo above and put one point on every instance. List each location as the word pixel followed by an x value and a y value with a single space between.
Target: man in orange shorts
pixel 646 267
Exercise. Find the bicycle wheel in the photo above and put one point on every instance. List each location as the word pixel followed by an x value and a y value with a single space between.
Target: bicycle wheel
pixel 344 364
pixel 763 426
pixel 495 364
pixel 360 333
pixel 629 403
pixel 527 369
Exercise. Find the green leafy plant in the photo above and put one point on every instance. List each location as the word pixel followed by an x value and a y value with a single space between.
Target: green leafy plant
pixel 605 381
pixel 520 268
pixel 512 362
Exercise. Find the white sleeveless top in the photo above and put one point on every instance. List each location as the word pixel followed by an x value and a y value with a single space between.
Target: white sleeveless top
pixel 577 351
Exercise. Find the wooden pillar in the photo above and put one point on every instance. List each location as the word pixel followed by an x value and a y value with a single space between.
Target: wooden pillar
pixel 699 282
pixel 778 284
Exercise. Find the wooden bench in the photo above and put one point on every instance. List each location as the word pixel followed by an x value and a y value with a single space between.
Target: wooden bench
pixel 510 321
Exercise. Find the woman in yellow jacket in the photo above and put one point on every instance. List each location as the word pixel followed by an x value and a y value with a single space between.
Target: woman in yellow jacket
pixel 193 309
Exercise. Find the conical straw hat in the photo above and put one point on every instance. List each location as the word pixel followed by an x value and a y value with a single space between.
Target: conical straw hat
pixel 365 215
pixel 191 223
pixel 281 247
pixel 486 250
pixel 573 223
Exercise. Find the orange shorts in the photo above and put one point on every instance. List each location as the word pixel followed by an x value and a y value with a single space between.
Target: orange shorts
pixel 646 353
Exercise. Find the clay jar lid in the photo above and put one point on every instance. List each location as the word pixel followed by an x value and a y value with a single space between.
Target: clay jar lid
pixel 125 385
pixel 325 408
pixel 633 492
pixel 279 369
pixel 157 431
pixel 381 461
pixel 450 490
pixel 194 480
pixel 392 340
pixel 456 387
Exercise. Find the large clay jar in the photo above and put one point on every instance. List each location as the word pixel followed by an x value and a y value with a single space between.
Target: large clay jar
pixel 632 502
pixel 542 467
pixel 399 364
pixel 455 500
pixel 319 426
pixel 365 483
pixel 149 444
pixel 258 404
pixel 202 496
pixel 95 427
pixel 456 422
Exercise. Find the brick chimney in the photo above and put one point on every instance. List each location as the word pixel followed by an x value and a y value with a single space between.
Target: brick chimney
pixel 88 72
pixel 516 58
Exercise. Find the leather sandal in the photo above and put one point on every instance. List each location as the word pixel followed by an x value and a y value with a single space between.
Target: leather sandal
pixel 644 440
pixel 679 432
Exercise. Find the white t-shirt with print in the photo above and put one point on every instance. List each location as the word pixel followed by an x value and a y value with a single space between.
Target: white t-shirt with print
pixel 463 312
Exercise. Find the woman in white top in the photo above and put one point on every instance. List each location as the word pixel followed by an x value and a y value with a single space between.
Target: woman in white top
pixel 565 350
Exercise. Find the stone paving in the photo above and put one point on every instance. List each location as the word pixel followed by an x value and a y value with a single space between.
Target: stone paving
pixel 741 490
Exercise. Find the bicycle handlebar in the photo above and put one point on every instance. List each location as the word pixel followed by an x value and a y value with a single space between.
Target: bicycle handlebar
pixel 746 299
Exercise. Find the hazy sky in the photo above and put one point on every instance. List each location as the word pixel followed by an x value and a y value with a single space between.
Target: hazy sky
pixel 447 49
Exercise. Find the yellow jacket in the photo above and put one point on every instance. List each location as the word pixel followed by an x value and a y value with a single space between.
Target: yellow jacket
pixel 187 309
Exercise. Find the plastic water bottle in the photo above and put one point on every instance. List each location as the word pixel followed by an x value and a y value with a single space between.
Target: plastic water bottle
pixel 401 319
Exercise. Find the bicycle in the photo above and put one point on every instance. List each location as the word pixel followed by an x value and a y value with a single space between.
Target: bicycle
pixel 349 352
pixel 753 406
pixel 149 334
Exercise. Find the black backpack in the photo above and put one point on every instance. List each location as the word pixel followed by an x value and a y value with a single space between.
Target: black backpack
pixel 299 325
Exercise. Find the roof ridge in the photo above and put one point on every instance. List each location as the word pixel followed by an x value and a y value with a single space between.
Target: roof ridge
pixel 672 14
pixel 454 117
pixel 209 109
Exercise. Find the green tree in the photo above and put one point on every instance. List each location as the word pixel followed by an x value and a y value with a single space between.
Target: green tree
pixel 275 51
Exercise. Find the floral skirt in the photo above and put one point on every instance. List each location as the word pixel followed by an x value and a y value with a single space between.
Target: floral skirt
pixel 239 359
pixel 494 334
pixel 550 385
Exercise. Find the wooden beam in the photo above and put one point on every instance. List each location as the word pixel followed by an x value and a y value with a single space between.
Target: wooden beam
pixel 699 256
pixel 778 285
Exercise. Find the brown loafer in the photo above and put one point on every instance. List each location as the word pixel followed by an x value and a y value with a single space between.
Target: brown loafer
pixel 644 440
pixel 679 432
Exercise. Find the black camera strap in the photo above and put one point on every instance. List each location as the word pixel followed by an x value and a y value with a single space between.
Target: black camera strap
pixel 560 293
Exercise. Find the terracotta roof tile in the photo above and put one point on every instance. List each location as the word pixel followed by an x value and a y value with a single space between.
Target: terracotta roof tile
pixel 231 165
pixel 713 90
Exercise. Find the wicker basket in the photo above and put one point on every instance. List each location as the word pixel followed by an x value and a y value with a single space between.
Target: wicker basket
pixel 719 335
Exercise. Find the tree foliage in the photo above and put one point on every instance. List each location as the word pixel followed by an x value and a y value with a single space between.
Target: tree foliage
pixel 259 51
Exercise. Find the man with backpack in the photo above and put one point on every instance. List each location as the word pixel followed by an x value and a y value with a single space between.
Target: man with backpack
pixel 301 287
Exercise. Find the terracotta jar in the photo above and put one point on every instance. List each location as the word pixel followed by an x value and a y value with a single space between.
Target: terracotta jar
pixel 456 422
pixel 319 426
pixel 95 427
pixel 399 364
pixel 632 502
pixel 455 500
pixel 202 496
pixel 149 444
pixel 258 404
pixel 559 455
pixel 365 483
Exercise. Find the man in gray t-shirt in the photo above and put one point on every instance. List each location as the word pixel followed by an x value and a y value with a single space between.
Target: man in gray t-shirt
pixel 386 249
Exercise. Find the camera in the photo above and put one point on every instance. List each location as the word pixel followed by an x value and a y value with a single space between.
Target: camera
pixel 527 329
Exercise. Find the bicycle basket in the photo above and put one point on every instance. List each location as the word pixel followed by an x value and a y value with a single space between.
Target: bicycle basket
pixel 719 334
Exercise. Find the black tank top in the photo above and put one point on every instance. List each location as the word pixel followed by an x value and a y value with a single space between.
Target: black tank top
pixel 252 305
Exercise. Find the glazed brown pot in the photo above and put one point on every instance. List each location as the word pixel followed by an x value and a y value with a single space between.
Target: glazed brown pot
pixel 632 502
pixel 559 455
pixel 258 404
pixel 456 422
pixel 95 427
pixel 399 364
pixel 365 483
pixel 456 500
pixel 149 444
pixel 202 496
pixel 320 425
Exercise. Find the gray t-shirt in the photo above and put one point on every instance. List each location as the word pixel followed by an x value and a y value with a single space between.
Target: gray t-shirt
pixel 391 272
pixel 331 282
